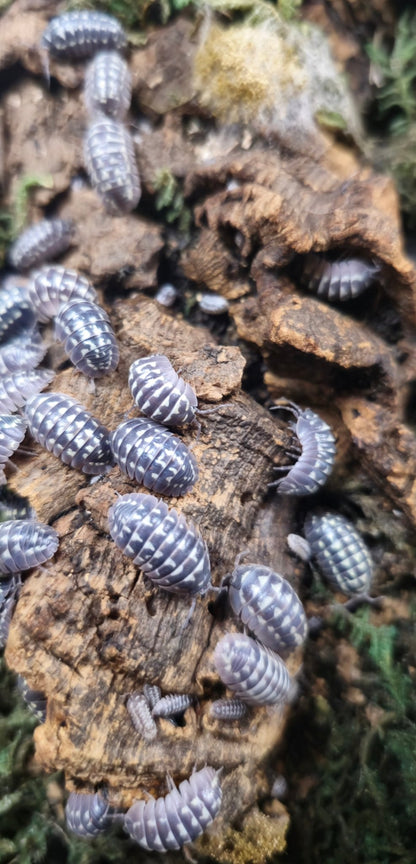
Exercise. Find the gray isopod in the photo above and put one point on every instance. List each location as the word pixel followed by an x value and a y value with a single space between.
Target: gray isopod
pixel 88 814
pixel 22 352
pixel 268 606
pixel 172 705
pixel 314 465
pixel 154 456
pixel 180 816
pixel 38 243
pixel 14 506
pixel 141 716
pixel 79 34
pixel 228 710
pixel 152 694
pixel 88 337
pixel 52 286
pixel 65 428
pixel 339 552
pixel 18 387
pixel 166 295
pixel 169 550
pixel 110 162
pixel 16 313
pixel 253 673
pixel 9 592
pixel 337 281
pixel 36 701
pixel 25 544
pixel 213 304
pixel 108 86
pixel 12 432
pixel 159 392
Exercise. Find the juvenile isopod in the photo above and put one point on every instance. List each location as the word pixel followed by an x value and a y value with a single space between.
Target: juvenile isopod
pixel 16 313
pixel 228 710
pixel 52 286
pixel 213 304
pixel 339 552
pixel 152 694
pixel 141 716
pixel 159 392
pixel 110 162
pixel 169 550
pixel 79 34
pixel 180 816
pixel 25 544
pixel 337 281
pixel 108 85
pixel 38 243
pixel 253 673
pixel 166 295
pixel 9 592
pixel 152 455
pixel 315 462
pixel 36 701
pixel 18 387
pixel 87 814
pixel 12 432
pixel 22 352
pixel 268 606
pixel 65 428
pixel 172 705
pixel 88 337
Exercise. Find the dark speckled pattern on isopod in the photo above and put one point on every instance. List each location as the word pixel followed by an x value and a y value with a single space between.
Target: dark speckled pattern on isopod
pixel 89 340
pixel 22 352
pixel 110 162
pixel 108 86
pixel 41 241
pixel 253 673
pixel 65 428
pixel 87 814
pixel 339 552
pixel 79 34
pixel 337 281
pixel 52 286
pixel 16 313
pixel 314 465
pixel 18 387
pixel 160 393
pixel 25 544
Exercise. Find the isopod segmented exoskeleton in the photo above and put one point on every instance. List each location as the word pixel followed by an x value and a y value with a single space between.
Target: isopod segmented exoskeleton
pixel 108 85
pixel 172 705
pixel 268 606
pixel 89 340
pixel 52 286
pixel 22 352
pixel 25 544
pixel 152 694
pixel 14 506
pixel 141 716
pixel 337 281
pixel 213 304
pixel 88 814
pixel 36 700
pixel 79 34
pixel 180 816
pixel 154 456
pixel 314 465
pixel 110 162
pixel 159 392
pixel 339 552
pixel 18 387
pixel 253 673
pixel 12 432
pixel 65 428
pixel 228 710
pixel 38 243
pixel 9 592
pixel 16 313
pixel 169 550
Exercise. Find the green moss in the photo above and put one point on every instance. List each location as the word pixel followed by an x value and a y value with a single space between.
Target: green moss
pixel 170 201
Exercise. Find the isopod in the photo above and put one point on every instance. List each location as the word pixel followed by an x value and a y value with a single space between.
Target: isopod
pixel 166 295
pixel 52 286
pixel 88 814
pixel 172 705
pixel 268 606
pixel 152 694
pixel 108 86
pixel 314 465
pixel 88 337
pixel 141 716
pixel 339 552
pixel 12 432
pixel 337 280
pixel 110 162
pixel 253 673
pixel 169 550
pixel 213 304
pixel 22 352
pixel 38 243
pixel 228 710
pixel 16 313
pixel 65 428
pixel 36 701
pixel 79 34
pixel 25 544
pixel 9 592
pixel 180 816
pixel 159 392
pixel 18 387
pixel 154 456
pixel 14 506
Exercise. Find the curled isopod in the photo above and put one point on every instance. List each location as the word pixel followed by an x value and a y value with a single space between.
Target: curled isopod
pixel 337 281
pixel 79 34
pixel 38 243
pixel 16 313
pixel 314 464
pixel 141 716
pixel 253 673
pixel 180 816
pixel 12 432
pixel 25 544
pixel 110 162
pixel 52 286
pixel 108 85
pixel 339 552
pixel 22 352
pixel 36 701
pixel 169 550
pixel 154 456
pixel 159 392
pixel 166 295
pixel 172 705
pixel 18 387
pixel 65 428
pixel 9 592
pixel 268 606
pixel 228 710
pixel 213 304
pixel 88 337
pixel 87 814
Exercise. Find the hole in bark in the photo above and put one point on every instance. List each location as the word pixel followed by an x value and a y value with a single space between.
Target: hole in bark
pixel 114 614
pixel 151 606
pixel 245 497
pixel 218 608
